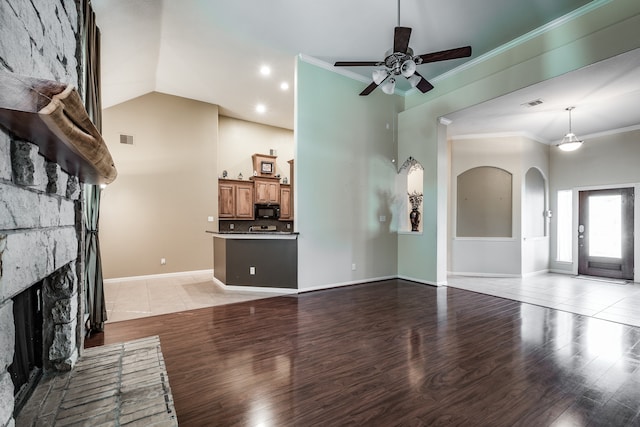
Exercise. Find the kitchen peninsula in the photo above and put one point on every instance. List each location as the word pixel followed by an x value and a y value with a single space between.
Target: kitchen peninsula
pixel 255 245
pixel 256 259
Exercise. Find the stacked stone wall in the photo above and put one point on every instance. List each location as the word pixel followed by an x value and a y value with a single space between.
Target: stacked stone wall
pixel 40 204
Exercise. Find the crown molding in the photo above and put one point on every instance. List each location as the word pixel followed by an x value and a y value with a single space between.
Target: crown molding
pixel 603 133
pixel 523 38
pixel 500 135
pixel 595 4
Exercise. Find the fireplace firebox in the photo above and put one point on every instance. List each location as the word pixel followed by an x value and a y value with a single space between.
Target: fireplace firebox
pixel 26 369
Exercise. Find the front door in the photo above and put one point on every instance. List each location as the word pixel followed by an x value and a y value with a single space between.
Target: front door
pixel 605 233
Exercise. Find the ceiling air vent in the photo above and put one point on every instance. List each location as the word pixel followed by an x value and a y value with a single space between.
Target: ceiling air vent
pixel 126 139
pixel 532 103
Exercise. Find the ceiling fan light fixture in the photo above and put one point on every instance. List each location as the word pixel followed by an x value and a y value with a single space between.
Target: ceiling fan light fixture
pixel 389 86
pixel 379 74
pixel 570 142
pixel 414 80
pixel 408 68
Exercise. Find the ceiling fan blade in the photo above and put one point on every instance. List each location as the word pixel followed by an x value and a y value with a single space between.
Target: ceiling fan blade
pixel 423 85
pixel 401 39
pixel 443 55
pixel 367 90
pixel 356 63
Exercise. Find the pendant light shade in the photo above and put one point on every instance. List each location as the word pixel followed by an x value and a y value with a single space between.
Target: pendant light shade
pixel 408 68
pixel 414 80
pixel 389 86
pixel 570 142
pixel 379 74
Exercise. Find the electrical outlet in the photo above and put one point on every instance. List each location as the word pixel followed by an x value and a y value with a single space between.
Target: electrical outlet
pixel 353 267
pixel 209 219
pixel 252 270
pixel 231 226
pixel 383 218
pixel 288 226
pixel 163 261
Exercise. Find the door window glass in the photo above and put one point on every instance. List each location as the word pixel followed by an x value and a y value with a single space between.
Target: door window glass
pixel 564 219
pixel 605 226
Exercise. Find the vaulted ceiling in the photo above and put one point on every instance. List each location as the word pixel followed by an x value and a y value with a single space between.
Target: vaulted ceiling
pixel 212 50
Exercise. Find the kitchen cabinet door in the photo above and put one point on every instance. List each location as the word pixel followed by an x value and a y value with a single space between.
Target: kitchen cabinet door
pixel 285 202
pixel 244 201
pixel 226 199
pixel 235 199
pixel 267 190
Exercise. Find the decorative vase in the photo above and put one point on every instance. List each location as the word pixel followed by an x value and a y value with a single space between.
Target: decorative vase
pixel 414 217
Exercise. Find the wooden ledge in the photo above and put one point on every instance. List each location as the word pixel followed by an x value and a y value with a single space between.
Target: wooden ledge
pixel 52 115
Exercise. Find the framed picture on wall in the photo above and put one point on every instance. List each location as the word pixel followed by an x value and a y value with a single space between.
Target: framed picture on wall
pixel 266 167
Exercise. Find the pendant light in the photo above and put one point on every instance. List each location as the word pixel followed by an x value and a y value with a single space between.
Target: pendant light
pixel 570 142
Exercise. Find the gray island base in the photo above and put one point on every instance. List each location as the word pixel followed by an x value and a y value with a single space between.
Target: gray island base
pixel 268 260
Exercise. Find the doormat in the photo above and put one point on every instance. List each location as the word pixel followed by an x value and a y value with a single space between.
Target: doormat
pixel 604 279
pixel 115 384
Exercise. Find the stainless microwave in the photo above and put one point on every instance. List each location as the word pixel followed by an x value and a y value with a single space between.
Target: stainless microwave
pixel 267 211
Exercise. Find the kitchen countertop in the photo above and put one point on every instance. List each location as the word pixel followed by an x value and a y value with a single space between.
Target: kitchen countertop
pixel 255 234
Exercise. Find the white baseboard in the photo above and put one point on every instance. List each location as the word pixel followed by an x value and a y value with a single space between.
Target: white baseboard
pixel 254 288
pixel 567 272
pixel 349 283
pixel 470 274
pixel 535 273
pixel 424 282
pixel 158 276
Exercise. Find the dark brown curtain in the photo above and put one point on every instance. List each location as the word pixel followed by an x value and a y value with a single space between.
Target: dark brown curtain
pixel 91 46
pixel 94 286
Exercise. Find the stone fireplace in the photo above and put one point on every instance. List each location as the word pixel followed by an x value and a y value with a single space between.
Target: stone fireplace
pixel 40 241
pixel 41 233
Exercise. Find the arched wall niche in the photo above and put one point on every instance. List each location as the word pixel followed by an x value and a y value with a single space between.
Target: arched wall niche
pixel 484 203
pixel 410 191
pixel 535 204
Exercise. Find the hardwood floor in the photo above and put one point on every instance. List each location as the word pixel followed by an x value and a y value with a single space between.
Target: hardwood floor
pixel 394 353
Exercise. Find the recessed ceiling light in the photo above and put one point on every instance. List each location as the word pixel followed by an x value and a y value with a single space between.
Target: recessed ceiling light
pixel 265 70
pixel 261 108
pixel 284 86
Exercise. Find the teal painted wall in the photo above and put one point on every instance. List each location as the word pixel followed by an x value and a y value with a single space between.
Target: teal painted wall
pixel 601 33
pixel 344 179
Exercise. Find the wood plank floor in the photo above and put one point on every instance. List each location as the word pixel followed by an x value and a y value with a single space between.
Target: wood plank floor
pixel 394 353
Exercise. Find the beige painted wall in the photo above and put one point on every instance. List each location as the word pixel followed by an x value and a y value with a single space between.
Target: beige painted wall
pixel 239 139
pixel 516 155
pixel 166 186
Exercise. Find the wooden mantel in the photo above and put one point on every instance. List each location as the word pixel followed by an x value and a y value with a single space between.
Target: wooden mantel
pixel 52 115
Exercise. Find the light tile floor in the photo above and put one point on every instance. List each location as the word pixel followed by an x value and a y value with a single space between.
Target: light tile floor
pixel 608 300
pixel 136 298
pixel 591 297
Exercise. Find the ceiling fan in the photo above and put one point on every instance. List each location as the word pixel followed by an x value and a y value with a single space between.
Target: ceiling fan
pixel 400 61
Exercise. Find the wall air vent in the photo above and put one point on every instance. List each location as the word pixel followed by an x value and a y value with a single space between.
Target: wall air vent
pixel 532 103
pixel 126 139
